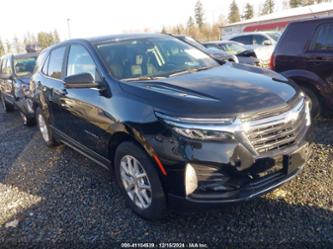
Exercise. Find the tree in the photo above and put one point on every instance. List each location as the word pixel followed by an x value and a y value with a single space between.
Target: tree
pixel 46 39
pixel 268 7
pixel 199 14
pixel 248 12
pixel 234 15
pixel 190 26
pixel 56 37
pixel 164 31
pixel 295 3
pixel 2 48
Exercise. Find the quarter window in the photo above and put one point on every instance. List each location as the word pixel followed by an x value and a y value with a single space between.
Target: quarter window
pixel 323 38
pixel 80 61
pixel 55 62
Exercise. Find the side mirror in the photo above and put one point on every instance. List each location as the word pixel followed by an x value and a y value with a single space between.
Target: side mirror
pixel 267 43
pixel 83 80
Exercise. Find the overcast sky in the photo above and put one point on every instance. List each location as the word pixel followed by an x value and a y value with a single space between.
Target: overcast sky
pixel 102 17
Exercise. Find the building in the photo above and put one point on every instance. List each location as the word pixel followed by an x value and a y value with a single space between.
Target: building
pixel 278 20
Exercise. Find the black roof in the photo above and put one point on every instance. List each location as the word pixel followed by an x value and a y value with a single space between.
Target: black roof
pixel 119 37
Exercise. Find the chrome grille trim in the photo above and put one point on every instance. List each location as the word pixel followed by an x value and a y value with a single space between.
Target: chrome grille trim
pixel 279 131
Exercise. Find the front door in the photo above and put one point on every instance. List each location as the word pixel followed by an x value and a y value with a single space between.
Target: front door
pixel 86 121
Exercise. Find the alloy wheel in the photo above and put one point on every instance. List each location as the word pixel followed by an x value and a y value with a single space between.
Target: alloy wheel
pixel 44 130
pixel 135 182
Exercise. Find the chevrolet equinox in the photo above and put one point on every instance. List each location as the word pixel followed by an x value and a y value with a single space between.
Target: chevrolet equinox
pixel 178 129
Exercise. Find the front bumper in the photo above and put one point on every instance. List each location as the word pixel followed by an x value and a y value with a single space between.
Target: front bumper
pixel 227 172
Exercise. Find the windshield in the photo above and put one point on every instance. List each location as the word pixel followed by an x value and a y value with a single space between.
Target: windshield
pixel 275 36
pixel 232 48
pixel 24 66
pixel 194 43
pixel 152 57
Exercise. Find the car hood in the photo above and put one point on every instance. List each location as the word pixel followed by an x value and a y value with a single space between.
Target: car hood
pixel 225 90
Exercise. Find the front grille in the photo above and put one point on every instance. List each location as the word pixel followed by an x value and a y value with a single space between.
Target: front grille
pixel 277 131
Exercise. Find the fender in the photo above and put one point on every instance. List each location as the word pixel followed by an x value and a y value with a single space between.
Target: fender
pixel 304 77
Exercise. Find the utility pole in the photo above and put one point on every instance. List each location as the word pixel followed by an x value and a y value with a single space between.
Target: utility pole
pixel 69 27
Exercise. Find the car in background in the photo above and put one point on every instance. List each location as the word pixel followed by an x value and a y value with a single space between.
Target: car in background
pixel 217 54
pixel 263 43
pixel 244 55
pixel 304 54
pixel 15 74
pixel 177 128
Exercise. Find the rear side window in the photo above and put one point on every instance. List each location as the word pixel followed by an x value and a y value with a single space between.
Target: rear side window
pixel 323 38
pixel 247 39
pixel 56 60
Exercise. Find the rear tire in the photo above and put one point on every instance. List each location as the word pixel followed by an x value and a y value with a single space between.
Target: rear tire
pixel 7 107
pixel 315 105
pixel 144 194
pixel 44 129
pixel 27 121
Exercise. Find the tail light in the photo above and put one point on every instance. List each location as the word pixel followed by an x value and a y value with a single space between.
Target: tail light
pixel 272 62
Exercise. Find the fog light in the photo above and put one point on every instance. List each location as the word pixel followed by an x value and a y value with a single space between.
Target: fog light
pixel 191 180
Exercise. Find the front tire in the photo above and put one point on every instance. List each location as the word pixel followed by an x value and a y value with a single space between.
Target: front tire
pixel 44 129
pixel 139 181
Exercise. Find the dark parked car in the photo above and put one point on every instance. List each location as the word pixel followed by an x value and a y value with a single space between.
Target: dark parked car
pixel 217 54
pixel 304 54
pixel 178 128
pixel 15 73
pixel 244 55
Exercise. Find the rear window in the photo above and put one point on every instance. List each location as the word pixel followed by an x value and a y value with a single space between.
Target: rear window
pixel 323 38
pixel 56 60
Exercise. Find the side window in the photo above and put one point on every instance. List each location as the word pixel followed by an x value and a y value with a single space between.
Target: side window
pixel 6 66
pixel 56 61
pixel 247 39
pixel 80 61
pixel 323 38
pixel 259 39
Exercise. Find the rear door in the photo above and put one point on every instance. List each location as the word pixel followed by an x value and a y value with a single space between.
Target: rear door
pixel 319 54
pixel 52 87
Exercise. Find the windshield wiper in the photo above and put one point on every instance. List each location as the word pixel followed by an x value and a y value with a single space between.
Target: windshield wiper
pixel 189 70
pixel 143 78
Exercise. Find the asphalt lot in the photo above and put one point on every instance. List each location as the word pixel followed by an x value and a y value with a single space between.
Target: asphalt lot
pixel 58 197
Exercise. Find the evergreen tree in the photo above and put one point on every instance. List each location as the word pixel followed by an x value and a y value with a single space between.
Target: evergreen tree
pixel 248 12
pixel 199 14
pixel 268 7
pixel 234 15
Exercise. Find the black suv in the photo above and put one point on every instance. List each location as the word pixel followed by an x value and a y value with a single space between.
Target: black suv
pixel 15 73
pixel 178 128
pixel 304 54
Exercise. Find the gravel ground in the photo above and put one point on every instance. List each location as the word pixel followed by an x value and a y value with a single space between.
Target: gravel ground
pixel 56 197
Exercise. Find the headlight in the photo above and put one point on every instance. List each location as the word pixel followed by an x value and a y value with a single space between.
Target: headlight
pixel 201 129
pixel 203 134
